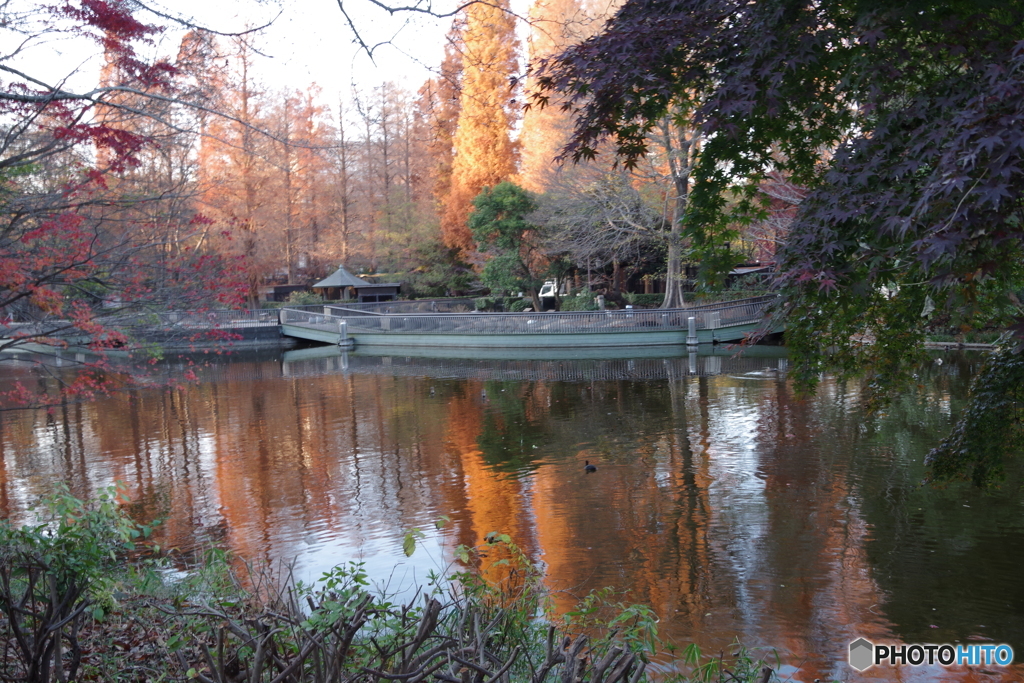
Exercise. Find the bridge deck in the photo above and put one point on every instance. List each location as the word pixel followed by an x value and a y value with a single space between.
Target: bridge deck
pixel 730 321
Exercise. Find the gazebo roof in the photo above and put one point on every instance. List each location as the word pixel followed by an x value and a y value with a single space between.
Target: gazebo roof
pixel 341 278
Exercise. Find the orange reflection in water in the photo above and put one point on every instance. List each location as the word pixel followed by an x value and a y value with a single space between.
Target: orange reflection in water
pixel 726 504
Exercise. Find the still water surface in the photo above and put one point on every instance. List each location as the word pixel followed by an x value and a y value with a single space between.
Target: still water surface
pixel 723 500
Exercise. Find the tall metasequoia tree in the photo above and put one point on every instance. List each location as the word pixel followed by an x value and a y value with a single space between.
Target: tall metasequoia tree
pixel 373 174
pixel 392 148
pixel 297 186
pixel 385 171
pixel 286 167
pixel 385 145
pixel 344 188
pixel 415 219
pixel 554 26
pixel 204 71
pixel 312 155
pixel 235 167
pixel 485 154
pixel 438 108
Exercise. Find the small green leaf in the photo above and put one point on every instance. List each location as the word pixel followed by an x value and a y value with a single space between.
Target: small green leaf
pixel 462 554
pixel 441 522
pixel 409 544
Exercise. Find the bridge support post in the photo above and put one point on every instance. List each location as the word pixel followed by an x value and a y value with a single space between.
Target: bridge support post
pixel 691 331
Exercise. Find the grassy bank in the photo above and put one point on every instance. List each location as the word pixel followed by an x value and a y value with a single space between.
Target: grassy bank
pixel 83 598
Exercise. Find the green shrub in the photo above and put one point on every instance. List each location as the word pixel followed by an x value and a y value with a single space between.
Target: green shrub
pixel 644 300
pixel 741 665
pixel 503 624
pixel 484 303
pixel 517 305
pixel 305 299
pixel 56 574
pixel 581 302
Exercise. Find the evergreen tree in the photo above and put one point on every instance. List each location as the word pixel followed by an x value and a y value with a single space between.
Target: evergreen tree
pixel 501 227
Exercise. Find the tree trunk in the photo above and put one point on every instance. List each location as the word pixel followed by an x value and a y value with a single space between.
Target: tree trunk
pixel 681 144
pixel 674 276
pixel 536 301
pixel 343 185
pixel 286 145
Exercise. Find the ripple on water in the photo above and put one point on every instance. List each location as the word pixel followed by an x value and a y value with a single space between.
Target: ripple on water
pixel 728 503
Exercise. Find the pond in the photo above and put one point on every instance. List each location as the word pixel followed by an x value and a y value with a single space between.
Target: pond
pixel 732 506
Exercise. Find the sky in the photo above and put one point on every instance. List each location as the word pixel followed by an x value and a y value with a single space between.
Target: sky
pixel 307 42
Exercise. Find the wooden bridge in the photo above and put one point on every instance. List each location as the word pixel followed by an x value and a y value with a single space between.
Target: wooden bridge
pixel 420 324
pixel 446 327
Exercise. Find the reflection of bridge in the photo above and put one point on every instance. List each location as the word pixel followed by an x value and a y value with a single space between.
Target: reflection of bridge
pixel 410 325
pixel 763 361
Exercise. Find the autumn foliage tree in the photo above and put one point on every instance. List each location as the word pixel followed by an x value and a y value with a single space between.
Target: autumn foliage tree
pixel 236 168
pixel 84 234
pixel 484 152
pixel 554 26
pixel 438 106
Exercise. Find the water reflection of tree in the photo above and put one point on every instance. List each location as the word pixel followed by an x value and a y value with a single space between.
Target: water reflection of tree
pixel 727 503
pixel 947 558
pixel 511 433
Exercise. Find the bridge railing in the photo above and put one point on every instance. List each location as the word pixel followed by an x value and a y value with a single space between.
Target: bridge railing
pixel 464 305
pixel 364 322
pixel 313 320
pixel 194 319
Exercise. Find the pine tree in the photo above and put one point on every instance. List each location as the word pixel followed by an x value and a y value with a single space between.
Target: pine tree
pixel 485 154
